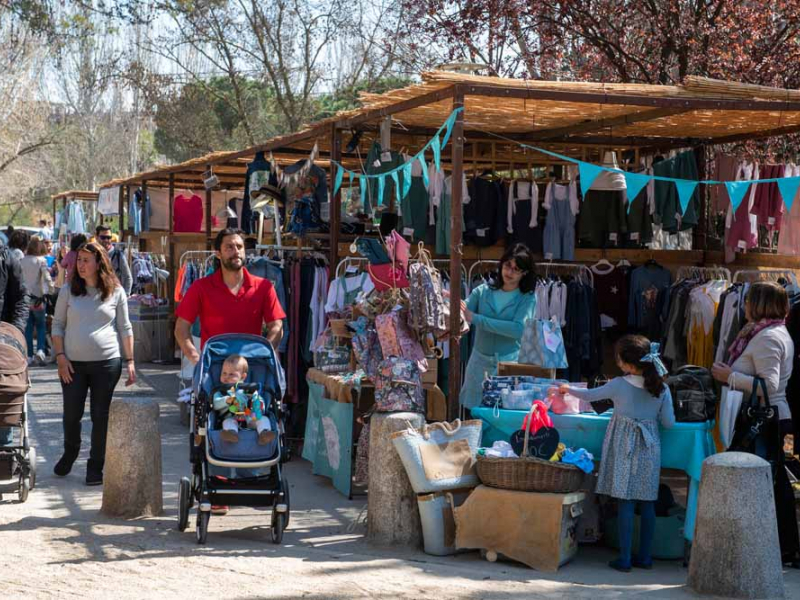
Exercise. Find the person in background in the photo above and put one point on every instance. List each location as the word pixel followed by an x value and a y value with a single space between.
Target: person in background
pixel 48 257
pixel 764 349
pixel 497 312
pixel 630 466
pixel 39 284
pixel 69 260
pixel 18 242
pixel 13 308
pixel 45 232
pixel 117 257
pixel 92 336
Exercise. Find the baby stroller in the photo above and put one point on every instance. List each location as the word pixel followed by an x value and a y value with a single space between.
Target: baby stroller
pixel 17 462
pixel 243 473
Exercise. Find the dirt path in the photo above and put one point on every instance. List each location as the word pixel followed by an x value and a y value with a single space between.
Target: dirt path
pixel 58 545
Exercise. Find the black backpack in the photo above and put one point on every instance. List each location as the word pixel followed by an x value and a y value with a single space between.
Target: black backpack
pixel 694 396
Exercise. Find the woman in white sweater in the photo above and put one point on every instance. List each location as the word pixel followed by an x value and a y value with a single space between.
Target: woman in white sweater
pixel 764 349
pixel 92 336
pixel 39 284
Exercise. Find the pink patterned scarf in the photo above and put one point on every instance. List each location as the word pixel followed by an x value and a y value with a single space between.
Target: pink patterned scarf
pixel 747 333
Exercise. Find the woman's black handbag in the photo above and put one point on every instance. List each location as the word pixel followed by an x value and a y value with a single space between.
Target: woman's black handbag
pixel 694 398
pixel 756 425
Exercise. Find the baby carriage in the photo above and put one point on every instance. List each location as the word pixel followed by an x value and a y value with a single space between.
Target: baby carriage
pixel 18 461
pixel 243 473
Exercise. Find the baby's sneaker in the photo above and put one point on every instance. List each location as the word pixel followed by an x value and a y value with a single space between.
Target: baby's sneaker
pixel 230 436
pixel 265 437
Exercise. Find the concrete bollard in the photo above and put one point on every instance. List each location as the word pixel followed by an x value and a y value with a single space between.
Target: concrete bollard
pixel 132 473
pixel 736 553
pixel 392 512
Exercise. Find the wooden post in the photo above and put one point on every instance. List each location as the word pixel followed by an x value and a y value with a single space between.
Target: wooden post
pixel 171 242
pixel 457 141
pixel 335 202
pixel 54 217
pixel 142 242
pixel 208 215
pixel 121 213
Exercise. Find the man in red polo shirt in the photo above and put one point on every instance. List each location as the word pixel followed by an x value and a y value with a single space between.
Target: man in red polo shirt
pixel 231 300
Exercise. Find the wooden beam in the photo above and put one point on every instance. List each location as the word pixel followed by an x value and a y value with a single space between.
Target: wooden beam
pixel 743 137
pixel 391 109
pixel 335 201
pixel 599 124
pixel 208 218
pixel 454 364
pixel 493 91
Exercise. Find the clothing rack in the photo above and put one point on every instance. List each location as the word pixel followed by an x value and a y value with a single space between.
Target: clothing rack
pixel 689 272
pixel 204 255
pixel 579 269
pixel 358 261
pixel 787 273
pixel 480 263
pixel 281 249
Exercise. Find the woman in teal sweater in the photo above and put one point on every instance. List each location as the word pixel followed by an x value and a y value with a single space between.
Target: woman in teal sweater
pixel 497 311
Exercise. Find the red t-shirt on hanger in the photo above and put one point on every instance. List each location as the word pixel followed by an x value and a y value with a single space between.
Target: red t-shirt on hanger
pixel 188 214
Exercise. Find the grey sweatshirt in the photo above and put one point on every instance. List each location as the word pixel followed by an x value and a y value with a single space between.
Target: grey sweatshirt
pixel 91 328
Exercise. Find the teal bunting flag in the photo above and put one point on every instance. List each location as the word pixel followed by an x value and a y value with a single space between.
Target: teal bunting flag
pixel 338 182
pixel 437 153
pixel 421 159
pixel 407 177
pixel 381 185
pixel 350 179
pixel 396 186
pixel 635 183
pixel 448 127
pixel 589 173
pixel 685 188
pixel 736 192
pixel 788 188
pixel 363 183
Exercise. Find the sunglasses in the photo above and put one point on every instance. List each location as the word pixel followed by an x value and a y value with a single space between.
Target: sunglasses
pixel 105 238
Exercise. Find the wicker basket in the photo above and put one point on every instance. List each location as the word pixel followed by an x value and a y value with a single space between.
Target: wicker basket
pixel 529 474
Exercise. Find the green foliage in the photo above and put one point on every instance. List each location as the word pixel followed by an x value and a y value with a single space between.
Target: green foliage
pixel 347 98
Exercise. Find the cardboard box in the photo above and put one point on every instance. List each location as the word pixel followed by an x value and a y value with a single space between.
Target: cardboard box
pixel 511 368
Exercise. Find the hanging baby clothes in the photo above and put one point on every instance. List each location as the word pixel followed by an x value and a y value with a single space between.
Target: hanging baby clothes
pixel 611 284
pixel 76 222
pixel 522 215
pixel 305 189
pixel 414 206
pixel 742 228
pixel 443 245
pixel 668 207
pixel 551 301
pixel 768 202
pixel 789 238
pixel 484 217
pixel 561 202
pixel 647 299
pixel 641 210
pixel 260 176
pixel 343 291
pixel 603 220
pixel 703 303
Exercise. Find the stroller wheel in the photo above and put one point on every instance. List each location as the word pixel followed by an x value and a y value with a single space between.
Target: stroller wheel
pixel 286 501
pixel 278 525
pixel 24 488
pixel 32 466
pixel 201 528
pixel 184 503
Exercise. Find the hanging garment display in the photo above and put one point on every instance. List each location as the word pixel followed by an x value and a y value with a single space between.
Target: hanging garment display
pixel 647 299
pixel 668 206
pixel 789 238
pixel 187 213
pixel 305 189
pixel 561 202
pixel 261 176
pixel 484 216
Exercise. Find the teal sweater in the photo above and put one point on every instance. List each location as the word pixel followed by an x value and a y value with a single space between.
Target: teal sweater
pixel 498 330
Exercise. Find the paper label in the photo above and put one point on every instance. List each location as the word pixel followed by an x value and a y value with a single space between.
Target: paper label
pixel 386 156
pixel 548 256
pixel 551 340
pixel 771 221
pixel 377 163
pixel 612 237
pixel 481 232
pixel 742 244
pixel 634 236
pixel 408 231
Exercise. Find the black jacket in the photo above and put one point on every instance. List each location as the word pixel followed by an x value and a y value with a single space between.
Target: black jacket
pixel 13 295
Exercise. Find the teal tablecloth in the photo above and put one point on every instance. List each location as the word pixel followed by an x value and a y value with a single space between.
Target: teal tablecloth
pixel 684 447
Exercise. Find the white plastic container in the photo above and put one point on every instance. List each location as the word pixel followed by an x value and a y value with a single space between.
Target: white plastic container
pixel 438 524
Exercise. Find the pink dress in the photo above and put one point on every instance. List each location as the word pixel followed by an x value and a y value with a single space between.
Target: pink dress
pixel 742 232
pixel 789 237
pixel 768 204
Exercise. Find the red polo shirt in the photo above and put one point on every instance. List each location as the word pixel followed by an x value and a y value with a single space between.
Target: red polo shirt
pixel 222 312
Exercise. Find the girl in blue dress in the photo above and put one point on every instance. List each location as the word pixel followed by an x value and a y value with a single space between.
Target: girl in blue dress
pixel 630 466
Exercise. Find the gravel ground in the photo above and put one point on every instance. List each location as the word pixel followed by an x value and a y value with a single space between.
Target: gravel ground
pixel 57 544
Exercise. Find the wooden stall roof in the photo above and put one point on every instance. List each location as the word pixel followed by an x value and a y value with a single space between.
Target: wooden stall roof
pixel 565 116
pixel 76 195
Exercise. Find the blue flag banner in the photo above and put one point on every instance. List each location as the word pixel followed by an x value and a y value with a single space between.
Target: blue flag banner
pixel 448 126
pixel 407 177
pixel 635 183
pixel 589 173
pixel 788 189
pixel 338 181
pixel 396 185
pixel 381 185
pixel 686 188
pixel 736 192
pixel 363 183
pixel 421 159
pixel 437 153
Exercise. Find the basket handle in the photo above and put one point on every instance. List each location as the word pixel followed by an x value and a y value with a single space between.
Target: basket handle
pixel 532 410
pixel 445 427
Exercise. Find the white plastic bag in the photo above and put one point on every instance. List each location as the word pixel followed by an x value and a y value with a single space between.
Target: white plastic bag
pixel 730 404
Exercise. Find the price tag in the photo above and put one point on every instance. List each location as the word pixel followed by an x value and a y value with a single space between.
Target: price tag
pixel 408 231
pixel 742 244
pixel 634 236
pixel 771 221
pixel 612 237
pixel 481 232
pixel 377 163
pixel 386 156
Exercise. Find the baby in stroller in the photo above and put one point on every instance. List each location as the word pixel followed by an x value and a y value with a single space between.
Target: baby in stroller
pixel 240 405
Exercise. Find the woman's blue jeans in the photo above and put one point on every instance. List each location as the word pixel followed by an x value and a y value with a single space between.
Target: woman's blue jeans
pixel 37 319
pixel 647 528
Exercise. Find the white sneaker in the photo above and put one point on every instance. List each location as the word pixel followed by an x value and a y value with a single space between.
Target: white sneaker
pixel 41 357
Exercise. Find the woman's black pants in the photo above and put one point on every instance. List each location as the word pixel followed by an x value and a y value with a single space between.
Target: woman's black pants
pixel 98 379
